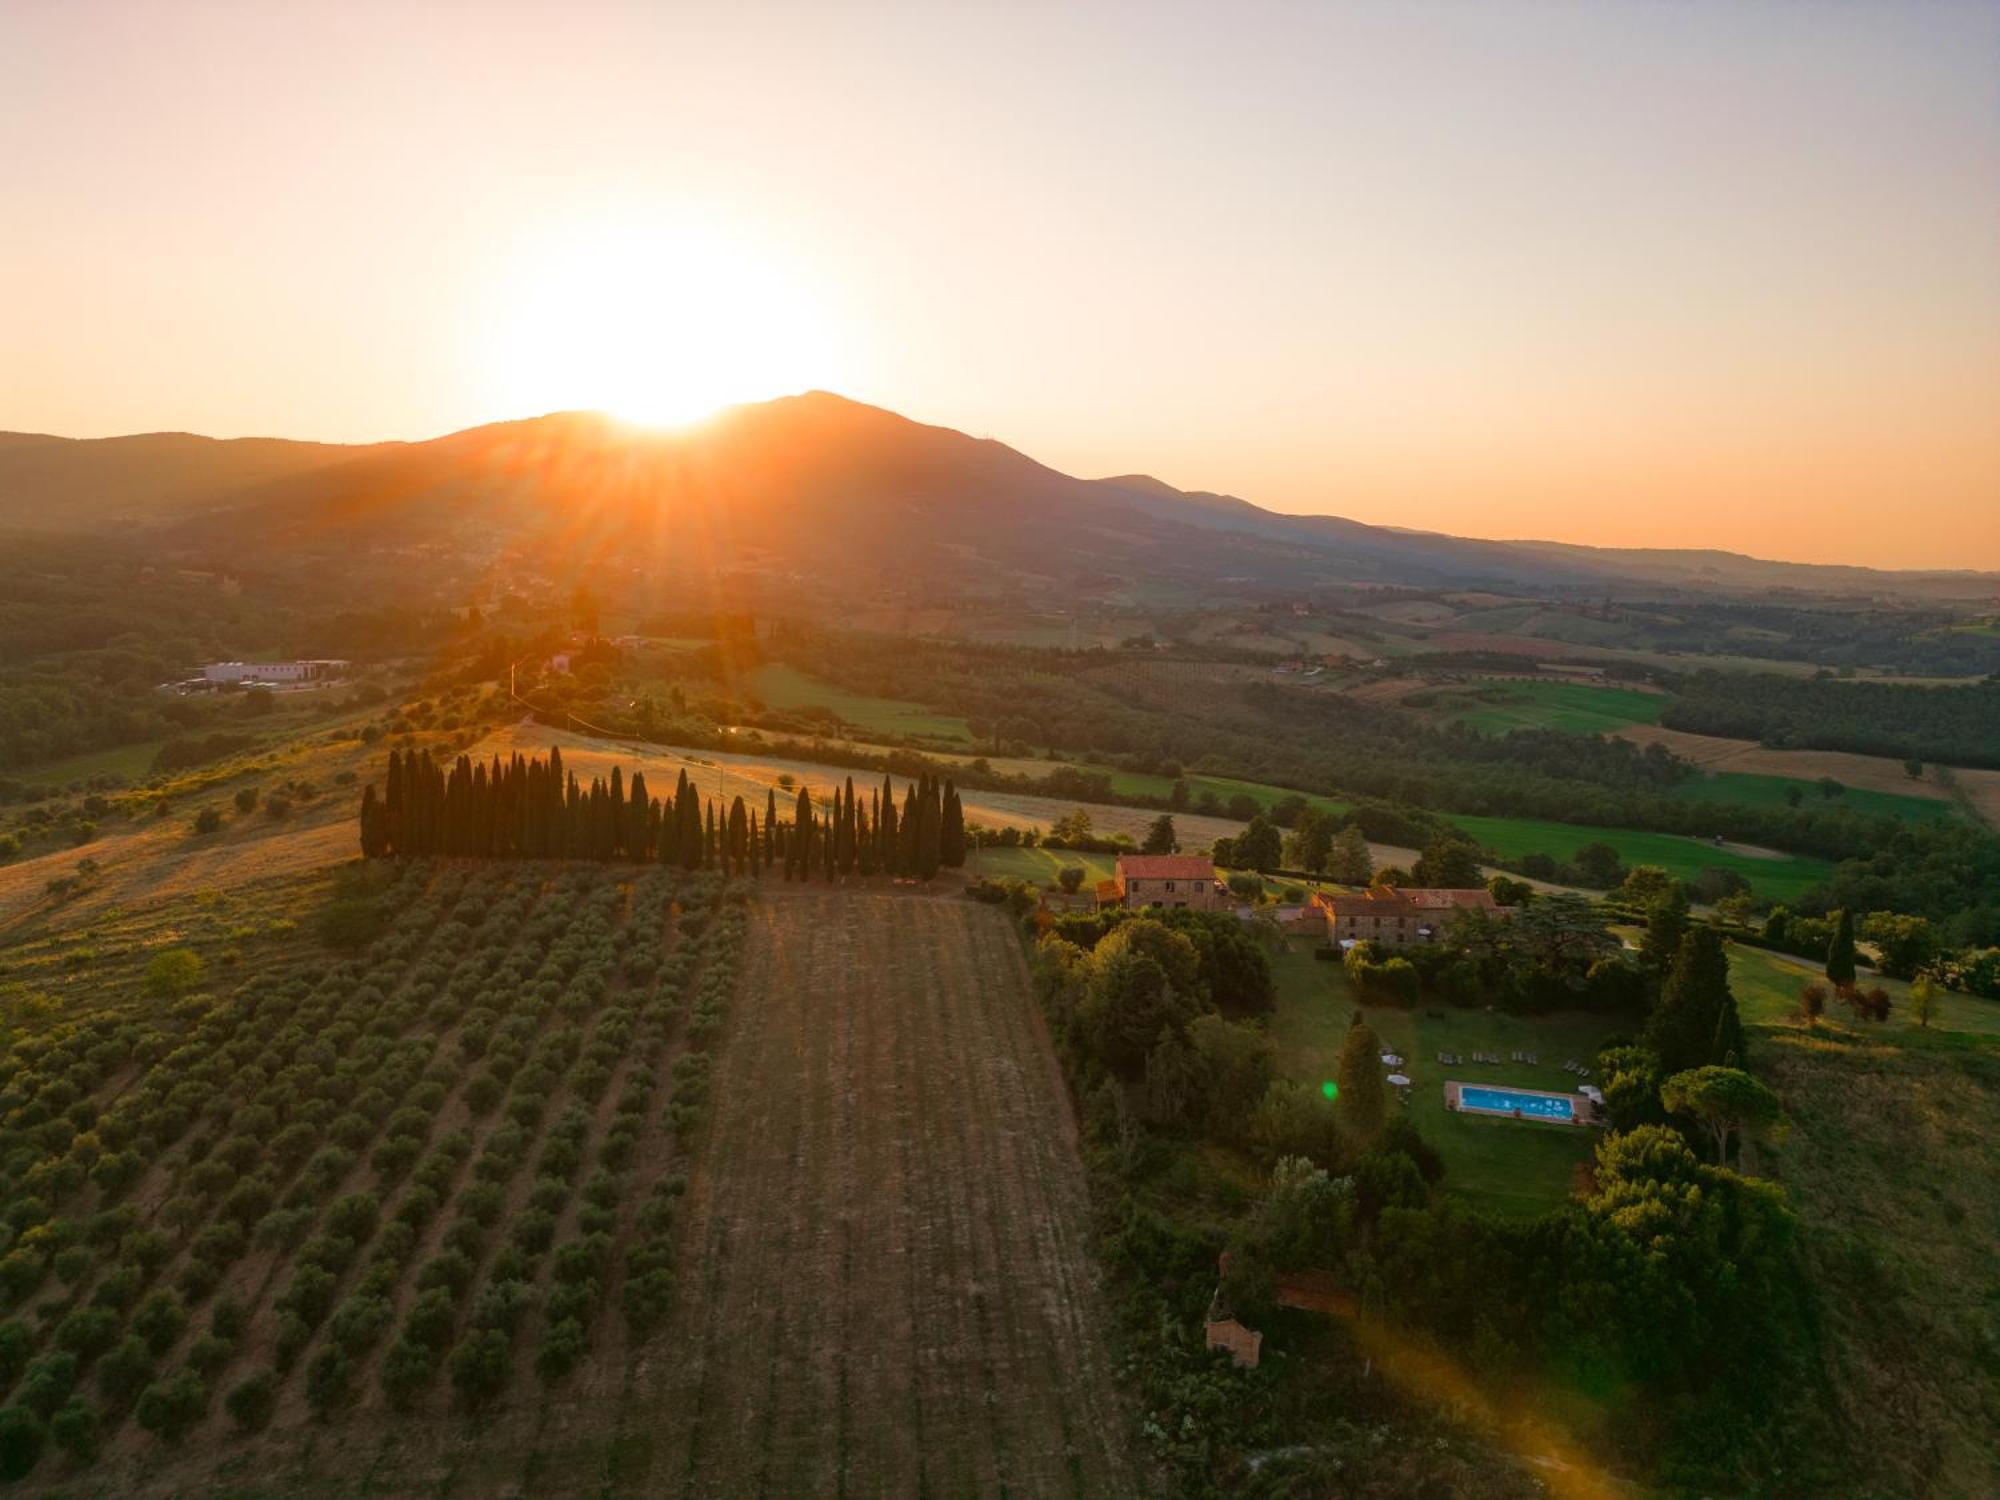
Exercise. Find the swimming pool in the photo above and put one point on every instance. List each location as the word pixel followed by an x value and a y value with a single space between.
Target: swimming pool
pixel 1507 1101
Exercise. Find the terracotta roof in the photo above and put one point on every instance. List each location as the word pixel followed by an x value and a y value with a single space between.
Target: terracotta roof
pixel 1407 900
pixel 1438 900
pixel 1166 867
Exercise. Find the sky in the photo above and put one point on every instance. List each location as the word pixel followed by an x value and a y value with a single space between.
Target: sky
pixel 1633 274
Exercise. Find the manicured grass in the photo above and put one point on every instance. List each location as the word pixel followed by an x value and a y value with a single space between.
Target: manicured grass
pixel 1496 707
pixel 781 687
pixel 1509 1166
pixel 1782 879
pixel 1749 790
pixel 1767 985
pixel 1038 866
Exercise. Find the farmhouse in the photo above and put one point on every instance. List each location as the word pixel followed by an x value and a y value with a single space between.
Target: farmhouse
pixel 273 671
pixel 1166 880
pixel 1397 918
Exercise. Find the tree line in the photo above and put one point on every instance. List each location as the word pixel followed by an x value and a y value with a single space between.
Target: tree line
pixel 533 808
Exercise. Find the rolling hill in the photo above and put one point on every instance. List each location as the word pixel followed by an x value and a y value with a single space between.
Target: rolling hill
pixel 805 485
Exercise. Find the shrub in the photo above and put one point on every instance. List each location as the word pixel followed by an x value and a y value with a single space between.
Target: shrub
pixel 87 1331
pixel 251 1403
pixel 123 1372
pixel 563 1346
pixel 168 1408
pixel 77 1430
pixel 21 1439
pixel 208 820
pixel 173 973
pixel 406 1370
pixel 329 1380
pixel 207 1354
pixel 479 1367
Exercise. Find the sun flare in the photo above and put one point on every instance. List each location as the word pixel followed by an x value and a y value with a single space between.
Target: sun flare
pixel 656 323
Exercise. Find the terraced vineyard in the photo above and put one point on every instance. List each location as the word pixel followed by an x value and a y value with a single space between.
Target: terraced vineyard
pixel 256 1234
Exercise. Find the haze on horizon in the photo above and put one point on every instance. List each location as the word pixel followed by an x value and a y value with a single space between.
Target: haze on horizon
pixel 1703 275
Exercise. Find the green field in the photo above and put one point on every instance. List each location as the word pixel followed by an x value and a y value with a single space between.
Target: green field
pixel 1140 784
pixel 1784 878
pixel 780 687
pixel 1767 988
pixel 127 762
pixel 1748 790
pixel 1509 1166
pixel 1497 707
pixel 1037 866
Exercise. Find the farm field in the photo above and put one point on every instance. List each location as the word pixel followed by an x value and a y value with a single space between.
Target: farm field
pixel 1515 1167
pixel 1874 773
pixel 889 1288
pixel 1775 876
pixel 338 1221
pixel 1751 790
pixel 783 687
pixel 1496 707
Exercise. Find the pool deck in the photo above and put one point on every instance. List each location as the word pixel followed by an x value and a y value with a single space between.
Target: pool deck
pixel 1582 1111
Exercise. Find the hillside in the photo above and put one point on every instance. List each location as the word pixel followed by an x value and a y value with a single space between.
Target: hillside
pixel 812 484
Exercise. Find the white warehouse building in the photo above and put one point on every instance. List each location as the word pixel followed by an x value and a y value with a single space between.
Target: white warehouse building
pixel 273 671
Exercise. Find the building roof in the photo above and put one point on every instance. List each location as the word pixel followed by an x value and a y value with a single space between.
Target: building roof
pixel 1166 867
pixel 1443 900
pixel 1407 901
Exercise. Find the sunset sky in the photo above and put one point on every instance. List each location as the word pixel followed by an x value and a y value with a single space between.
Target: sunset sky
pixel 1635 274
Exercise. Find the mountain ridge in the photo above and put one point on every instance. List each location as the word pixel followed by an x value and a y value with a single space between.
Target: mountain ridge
pixel 818 475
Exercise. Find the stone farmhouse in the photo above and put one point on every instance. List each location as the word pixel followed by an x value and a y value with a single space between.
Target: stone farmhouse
pixel 1397 918
pixel 1165 880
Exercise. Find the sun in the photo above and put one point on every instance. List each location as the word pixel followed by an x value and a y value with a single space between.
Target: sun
pixel 657 322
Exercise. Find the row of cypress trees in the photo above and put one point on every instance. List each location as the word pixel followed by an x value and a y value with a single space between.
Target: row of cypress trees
pixel 531 808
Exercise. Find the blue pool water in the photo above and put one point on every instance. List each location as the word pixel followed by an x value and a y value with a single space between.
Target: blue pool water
pixel 1506 1101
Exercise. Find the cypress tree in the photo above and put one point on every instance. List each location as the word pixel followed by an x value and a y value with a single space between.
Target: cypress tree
pixel 888 839
pixel 1688 1020
pixel 374 825
pixel 739 835
pixel 637 842
pixel 756 850
pixel 1840 951
pixel 710 851
pixel 392 809
pixel 951 840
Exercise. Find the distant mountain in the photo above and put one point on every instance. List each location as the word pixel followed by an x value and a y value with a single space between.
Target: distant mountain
pixel 68 483
pixel 810 486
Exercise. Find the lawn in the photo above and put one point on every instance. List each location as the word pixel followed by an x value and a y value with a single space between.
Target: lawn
pixel 1767 986
pixel 1509 1166
pixel 1038 866
pixel 1783 878
pixel 1746 789
pixel 781 687
pixel 1577 708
